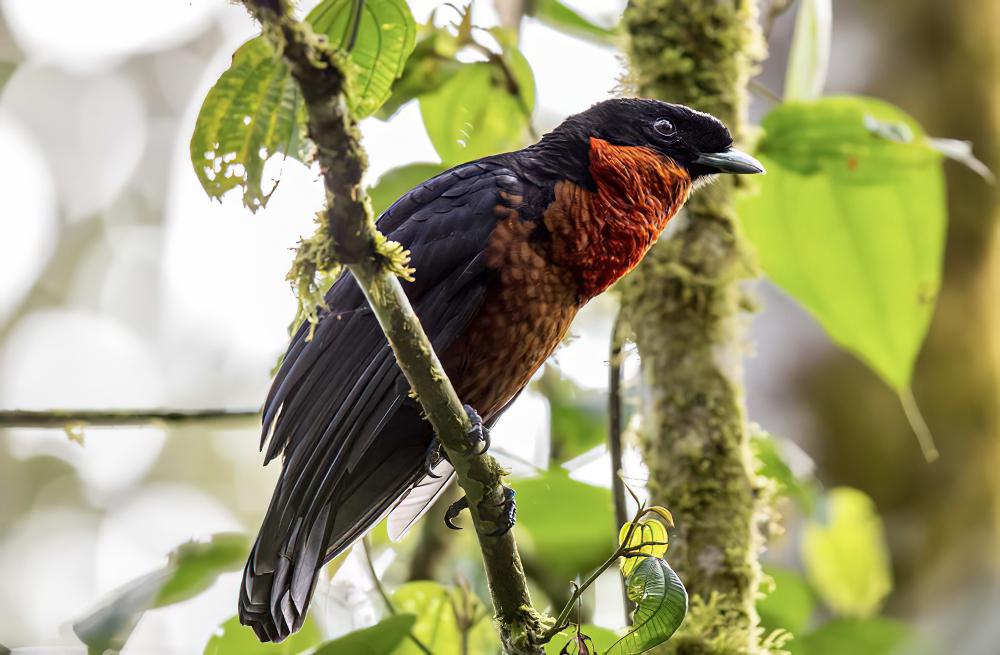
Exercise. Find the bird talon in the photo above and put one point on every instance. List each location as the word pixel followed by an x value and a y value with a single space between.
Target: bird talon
pixel 454 510
pixel 479 434
pixel 508 514
pixel 432 458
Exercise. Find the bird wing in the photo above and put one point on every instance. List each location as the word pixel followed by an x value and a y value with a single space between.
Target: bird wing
pixel 338 410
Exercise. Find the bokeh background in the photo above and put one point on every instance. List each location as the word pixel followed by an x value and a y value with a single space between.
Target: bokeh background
pixel 123 286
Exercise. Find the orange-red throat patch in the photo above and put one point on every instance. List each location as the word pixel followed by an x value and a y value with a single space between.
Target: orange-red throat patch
pixel 601 235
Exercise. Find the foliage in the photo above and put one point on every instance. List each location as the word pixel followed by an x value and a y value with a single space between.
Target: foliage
pixel 809 57
pixel 232 638
pixel 649 538
pixel 565 523
pixel 869 636
pixel 850 221
pixel 443 618
pixel 255 110
pixel 394 183
pixel 384 637
pixel 600 640
pixel 191 568
pixel 661 604
pixel 845 554
pixel 788 602
pixel 578 417
pixel 557 15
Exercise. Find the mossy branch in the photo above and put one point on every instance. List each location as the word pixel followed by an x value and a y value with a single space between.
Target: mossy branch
pixel 348 237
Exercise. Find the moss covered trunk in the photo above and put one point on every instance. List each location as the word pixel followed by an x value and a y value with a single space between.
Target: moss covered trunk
pixel 684 303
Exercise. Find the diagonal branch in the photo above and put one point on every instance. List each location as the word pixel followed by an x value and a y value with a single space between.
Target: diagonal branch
pixel 350 238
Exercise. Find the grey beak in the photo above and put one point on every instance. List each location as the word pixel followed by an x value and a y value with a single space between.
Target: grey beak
pixel 730 161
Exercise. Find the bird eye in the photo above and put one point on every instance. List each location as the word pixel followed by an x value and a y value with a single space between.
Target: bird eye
pixel 664 127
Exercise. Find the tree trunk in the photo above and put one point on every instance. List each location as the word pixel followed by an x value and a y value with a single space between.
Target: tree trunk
pixel 683 303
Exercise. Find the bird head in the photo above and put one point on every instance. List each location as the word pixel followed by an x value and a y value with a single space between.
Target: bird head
pixel 697 141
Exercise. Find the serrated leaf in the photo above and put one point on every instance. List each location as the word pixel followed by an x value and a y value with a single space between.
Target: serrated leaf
pixel 253 111
pixel 851 224
pixel 474 113
pixel 649 537
pixel 385 38
pixel 845 554
pixel 436 626
pixel 661 605
pixel 191 568
pixel 557 15
pixel 397 181
pixel 809 56
pixel 233 638
pixel 566 524
pixel 379 639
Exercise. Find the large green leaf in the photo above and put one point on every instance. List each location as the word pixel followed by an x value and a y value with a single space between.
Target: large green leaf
pixel 567 525
pixel 255 110
pixel 661 605
pixel 876 636
pixel 233 638
pixel 809 57
pixel 436 626
pixel 379 639
pixel 850 221
pixel 787 602
pixel 845 554
pixel 397 181
pixel 556 14
pixel 601 638
pixel 475 113
pixel 386 35
pixel 191 568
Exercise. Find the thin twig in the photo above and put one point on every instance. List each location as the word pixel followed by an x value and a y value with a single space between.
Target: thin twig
pixel 776 9
pixel 60 418
pixel 366 543
pixel 615 436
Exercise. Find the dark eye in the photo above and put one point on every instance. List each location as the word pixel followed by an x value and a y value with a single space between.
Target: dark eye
pixel 664 127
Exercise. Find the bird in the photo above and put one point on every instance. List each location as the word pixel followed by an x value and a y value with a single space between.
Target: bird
pixel 506 249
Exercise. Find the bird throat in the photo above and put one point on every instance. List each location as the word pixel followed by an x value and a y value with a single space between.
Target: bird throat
pixel 600 235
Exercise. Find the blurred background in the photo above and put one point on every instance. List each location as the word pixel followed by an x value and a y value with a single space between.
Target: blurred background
pixel 122 285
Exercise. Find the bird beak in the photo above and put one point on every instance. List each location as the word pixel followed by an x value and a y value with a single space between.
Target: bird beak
pixel 730 161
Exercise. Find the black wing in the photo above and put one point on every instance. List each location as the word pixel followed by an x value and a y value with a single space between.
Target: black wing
pixel 338 410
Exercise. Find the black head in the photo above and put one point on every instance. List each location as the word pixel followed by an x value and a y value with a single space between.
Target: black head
pixel 693 139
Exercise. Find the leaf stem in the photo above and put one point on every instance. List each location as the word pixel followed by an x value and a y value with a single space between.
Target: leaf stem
pixel 919 426
pixel 60 418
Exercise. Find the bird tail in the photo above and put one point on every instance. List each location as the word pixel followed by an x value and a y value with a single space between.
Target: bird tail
pixel 280 575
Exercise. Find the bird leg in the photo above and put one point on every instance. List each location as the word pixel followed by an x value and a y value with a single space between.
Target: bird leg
pixel 505 518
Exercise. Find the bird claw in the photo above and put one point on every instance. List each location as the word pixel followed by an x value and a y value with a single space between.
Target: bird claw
pixel 432 458
pixel 505 520
pixel 479 434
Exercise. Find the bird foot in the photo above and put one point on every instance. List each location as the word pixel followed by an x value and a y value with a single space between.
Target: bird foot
pixel 432 458
pixel 478 437
pixel 505 519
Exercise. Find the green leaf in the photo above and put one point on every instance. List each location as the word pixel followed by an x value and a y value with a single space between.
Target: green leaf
pixel 385 38
pixel 578 417
pixel 845 554
pixel 232 638
pixel 252 112
pixel 567 525
pixel 772 465
pixel 787 603
pixel 661 605
pixel 431 64
pixel 397 181
pixel 809 57
pixel 255 110
pixel 475 114
pixel 557 15
pixel 191 568
pixel 602 639
pixel 851 224
pixel 379 639
pixel 436 626
pixel 876 636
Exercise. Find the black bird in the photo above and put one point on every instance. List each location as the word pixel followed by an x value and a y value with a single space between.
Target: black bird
pixel 506 250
